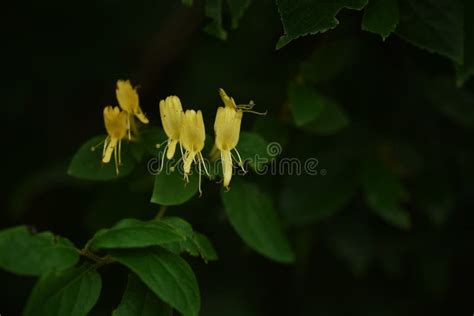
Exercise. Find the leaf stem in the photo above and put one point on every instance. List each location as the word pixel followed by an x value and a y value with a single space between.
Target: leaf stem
pixel 161 212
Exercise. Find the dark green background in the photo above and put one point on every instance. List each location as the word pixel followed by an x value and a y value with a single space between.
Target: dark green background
pixel 61 62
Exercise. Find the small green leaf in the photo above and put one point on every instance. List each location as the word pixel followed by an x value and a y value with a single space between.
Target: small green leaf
pixel 138 300
pixel 253 148
pixel 251 213
pixel 87 162
pixel 329 60
pixel 187 2
pixel 309 198
pixel 213 9
pixel 434 25
pixel 381 17
pixel 303 17
pixel 71 292
pixel 206 249
pixel 171 189
pixel 25 253
pixel 384 193
pixel 305 103
pixel 237 10
pixel 196 244
pixel 166 274
pixel 466 70
pixel 330 120
pixel 133 233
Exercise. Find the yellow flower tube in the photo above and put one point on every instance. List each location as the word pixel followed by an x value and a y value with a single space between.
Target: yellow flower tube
pixel 115 122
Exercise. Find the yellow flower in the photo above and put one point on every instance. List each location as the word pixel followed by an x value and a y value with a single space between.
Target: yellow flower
pixel 116 125
pixel 128 100
pixel 192 138
pixel 171 113
pixel 227 130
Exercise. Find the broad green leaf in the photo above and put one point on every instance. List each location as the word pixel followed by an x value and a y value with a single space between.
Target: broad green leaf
pixel 329 60
pixel 304 17
pixel 213 9
pixel 252 215
pixel 254 149
pixel 195 244
pixel 330 120
pixel 381 17
pixel 434 25
pixel 466 70
pixel 171 189
pixel 23 252
pixel 305 103
pixel 138 300
pixel 384 193
pixel 70 292
pixel 237 10
pixel 309 198
pixel 87 162
pixel 133 233
pixel 166 274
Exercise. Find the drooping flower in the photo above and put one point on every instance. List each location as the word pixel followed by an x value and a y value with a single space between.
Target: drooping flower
pixel 227 130
pixel 128 100
pixel 171 113
pixel 192 138
pixel 115 122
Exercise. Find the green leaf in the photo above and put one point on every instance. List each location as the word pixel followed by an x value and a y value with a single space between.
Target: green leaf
pixel 166 274
pixel 206 249
pixel 303 17
pixel 196 244
pixel 237 10
pixel 171 189
pixel 434 25
pixel 187 2
pixel 213 10
pixel 25 253
pixel 330 120
pixel 466 70
pixel 252 215
pixel 133 233
pixel 253 148
pixel 71 292
pixel 309 198
pixel 138 300
pixel 329 60
pixel 384 193
pixel 87 162
pixel 381 17
pixel 305 103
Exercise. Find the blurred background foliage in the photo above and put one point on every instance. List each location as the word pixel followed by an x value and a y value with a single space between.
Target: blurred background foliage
pixel 386 231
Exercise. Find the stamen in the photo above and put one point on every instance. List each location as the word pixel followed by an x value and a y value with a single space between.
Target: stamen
pixel 255 112
pixel 204 164
pixel 93 148
pixel 120 152
pixel 240 162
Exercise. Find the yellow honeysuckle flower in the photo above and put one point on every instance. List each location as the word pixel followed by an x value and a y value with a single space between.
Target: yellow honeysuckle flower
pixel 128 100
pixel 192 138
pixel 171 113
pixel 116 125
pixel 227 130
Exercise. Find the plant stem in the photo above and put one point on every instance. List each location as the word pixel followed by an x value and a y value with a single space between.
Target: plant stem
pixel 161 212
